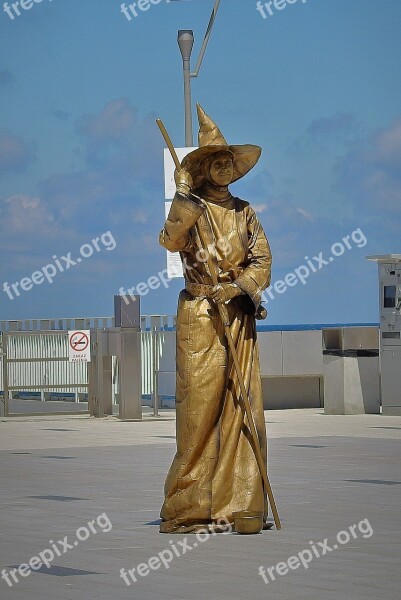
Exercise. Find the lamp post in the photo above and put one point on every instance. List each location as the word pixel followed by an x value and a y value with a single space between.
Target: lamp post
pixel 186 42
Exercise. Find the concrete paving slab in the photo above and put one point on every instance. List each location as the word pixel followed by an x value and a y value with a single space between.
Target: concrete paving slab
pixel 328 473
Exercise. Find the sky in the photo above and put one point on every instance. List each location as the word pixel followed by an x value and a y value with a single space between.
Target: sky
pixel 315 83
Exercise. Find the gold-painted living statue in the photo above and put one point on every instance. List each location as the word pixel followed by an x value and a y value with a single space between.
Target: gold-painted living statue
pixel 216 471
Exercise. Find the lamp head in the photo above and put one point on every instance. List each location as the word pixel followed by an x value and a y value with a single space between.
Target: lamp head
pixel 186 42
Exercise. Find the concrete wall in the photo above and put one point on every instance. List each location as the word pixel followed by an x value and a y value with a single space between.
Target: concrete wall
pixel 292 392
pixel 291 367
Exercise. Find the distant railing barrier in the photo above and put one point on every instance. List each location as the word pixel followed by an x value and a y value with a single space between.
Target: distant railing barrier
pixel 36 370
pixel 37 385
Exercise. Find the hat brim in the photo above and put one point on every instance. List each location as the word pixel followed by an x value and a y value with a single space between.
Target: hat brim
pixel 245 158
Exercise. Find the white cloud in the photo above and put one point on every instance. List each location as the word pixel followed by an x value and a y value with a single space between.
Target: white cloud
pixel 304 213
pixel 259 208
pixel 22 215
pixel 370 173
pixel 15 154
pixel 115 121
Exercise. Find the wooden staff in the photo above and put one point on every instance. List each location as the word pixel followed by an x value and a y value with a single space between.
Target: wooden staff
pixel 226 323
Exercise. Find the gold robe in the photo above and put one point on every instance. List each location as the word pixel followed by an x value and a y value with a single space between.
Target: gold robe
pixel 214 472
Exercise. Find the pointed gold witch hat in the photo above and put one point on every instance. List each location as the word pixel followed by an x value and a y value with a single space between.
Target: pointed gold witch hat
pixel 211 141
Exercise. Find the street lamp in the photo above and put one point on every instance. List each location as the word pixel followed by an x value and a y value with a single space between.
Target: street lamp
pixel 186 42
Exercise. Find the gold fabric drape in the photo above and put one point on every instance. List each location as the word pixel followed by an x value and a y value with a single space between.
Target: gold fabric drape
pixel 214 472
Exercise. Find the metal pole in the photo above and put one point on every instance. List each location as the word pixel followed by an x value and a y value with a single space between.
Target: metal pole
pixel 188 103
pixel 99 375
pixel 5 374
pixel 206 39
pixel 186 42
pixel 91 370
pixel 155 349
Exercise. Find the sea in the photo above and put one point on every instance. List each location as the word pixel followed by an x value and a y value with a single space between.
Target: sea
pixel 311 327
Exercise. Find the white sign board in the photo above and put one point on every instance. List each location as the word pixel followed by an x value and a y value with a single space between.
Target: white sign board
pixel 79 346
pixel 174 264
pixel 169 168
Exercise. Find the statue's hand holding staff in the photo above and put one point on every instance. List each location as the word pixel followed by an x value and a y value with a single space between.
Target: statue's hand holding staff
pixel 223 292
pixel 183 181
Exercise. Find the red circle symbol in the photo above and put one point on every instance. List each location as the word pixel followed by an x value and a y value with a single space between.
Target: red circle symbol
pixel 79 341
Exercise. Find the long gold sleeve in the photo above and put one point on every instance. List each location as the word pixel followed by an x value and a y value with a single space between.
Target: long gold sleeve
pixel 257 273
pixel 183 214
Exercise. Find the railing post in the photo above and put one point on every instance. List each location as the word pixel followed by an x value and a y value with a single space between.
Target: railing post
pixel 5 374
pixel 99 374
pixel 155 352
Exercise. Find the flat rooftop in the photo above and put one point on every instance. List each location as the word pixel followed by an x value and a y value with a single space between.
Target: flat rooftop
pixel 336 480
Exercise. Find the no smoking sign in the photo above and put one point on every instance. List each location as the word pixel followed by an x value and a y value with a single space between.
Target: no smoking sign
pixel 79 346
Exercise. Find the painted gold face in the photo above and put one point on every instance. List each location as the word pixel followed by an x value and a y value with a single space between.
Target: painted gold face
pixel 222 170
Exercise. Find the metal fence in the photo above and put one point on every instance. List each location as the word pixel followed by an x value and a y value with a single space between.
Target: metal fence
pixel 34 358
pixel 63 324
pixel 153 329
pixel 38 362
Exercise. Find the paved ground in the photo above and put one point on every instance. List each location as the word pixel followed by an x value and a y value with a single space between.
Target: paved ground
pixel 328 473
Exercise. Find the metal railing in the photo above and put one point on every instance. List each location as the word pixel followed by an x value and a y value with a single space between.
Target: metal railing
pixel 34 355
pixel 60 324
pixel 38 362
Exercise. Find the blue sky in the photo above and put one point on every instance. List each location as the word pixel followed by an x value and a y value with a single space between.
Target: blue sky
pixel 317 85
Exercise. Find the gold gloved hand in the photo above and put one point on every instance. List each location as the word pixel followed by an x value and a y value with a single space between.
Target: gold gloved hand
pixel 183 181
pixel 225 291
